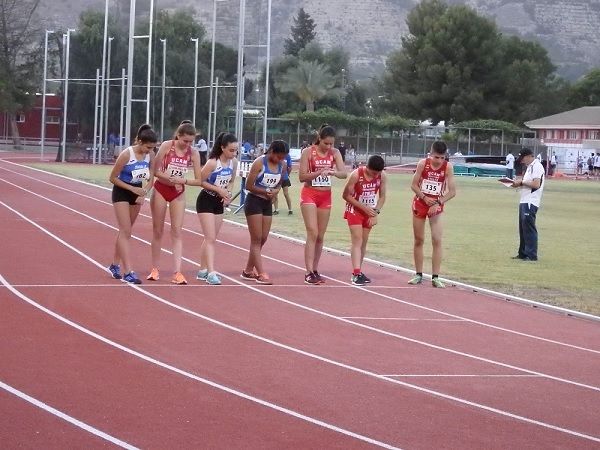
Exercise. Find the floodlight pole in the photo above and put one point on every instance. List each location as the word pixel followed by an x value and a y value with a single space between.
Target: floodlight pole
pixel 164 81
pixel 210 134
pixel 43 131
pixel 196 42
pixel 96 105
pixel 66 96
pixel 239 123
pixel 102 78
pixel 149 85
pixel 214 124
pixel 267 73
pixel 107 106
pixel 121 121
pixel 129 72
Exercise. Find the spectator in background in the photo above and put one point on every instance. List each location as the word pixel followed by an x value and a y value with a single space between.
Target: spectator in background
pixel 510 165
pixel 342 149
pixel 352 156
pixel 532 187
pixel 304 145
pixel 597 165
pixel 247 146
pixel 579 165
pixel 552 165
pixel 590 163
pixel 202 148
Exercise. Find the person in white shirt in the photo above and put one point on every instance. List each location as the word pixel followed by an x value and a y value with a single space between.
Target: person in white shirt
pixel 510 165
pixel 202 148
pixel 597 165
pixel 532 187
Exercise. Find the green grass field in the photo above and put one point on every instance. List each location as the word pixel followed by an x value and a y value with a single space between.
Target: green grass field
pixel 481 234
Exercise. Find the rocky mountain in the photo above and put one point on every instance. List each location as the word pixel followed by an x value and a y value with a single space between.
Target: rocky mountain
pixel 370 29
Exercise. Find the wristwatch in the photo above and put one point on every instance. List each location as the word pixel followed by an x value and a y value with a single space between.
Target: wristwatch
pixel 378 211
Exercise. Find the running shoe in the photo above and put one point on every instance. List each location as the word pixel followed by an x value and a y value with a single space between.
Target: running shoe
pixel 366 278
pixel 358 280
pixel 115 271
pixel 202 275
pixel 310 278
pixel 263 278
pixel 178 278
pixel 153 275
pixel 276 212
pixel 248 275
pixel 290 212
pixel 320 279
pixel 417 279
pixel 437 283
pixel 132 278
pixel 213 279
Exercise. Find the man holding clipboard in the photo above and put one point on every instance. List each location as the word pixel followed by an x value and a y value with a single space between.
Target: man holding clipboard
pixel 532 187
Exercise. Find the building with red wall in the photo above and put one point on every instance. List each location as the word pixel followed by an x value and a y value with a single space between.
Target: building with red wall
pixel 570 135
pixel 29 122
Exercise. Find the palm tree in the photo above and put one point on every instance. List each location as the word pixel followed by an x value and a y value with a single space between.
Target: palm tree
pixel 310 81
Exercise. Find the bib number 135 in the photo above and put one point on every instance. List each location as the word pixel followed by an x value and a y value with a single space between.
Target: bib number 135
pixel 431 187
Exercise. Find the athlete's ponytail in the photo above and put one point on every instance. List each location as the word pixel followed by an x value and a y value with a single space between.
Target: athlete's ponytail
pixel 222 141
pixel 324 132
pixel 146 135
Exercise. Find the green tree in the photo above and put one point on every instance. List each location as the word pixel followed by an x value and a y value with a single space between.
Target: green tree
pixel 586 91
pixel 448 67
pixel 18 33
pixel 530 86
pixel 302 32
pixel 310 81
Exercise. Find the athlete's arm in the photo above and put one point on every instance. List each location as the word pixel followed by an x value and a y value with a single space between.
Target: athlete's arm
pixel 197 180
pixel 451 192
pixel 340 166
pixel 158 170
pixel 255 169
pixel 208 168
pixel 116 170
pixel 382 192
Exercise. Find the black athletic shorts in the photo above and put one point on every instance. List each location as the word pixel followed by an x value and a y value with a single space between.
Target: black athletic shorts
pixel 208 203
pixel 286 182
pixel 257 205
pixel 124 195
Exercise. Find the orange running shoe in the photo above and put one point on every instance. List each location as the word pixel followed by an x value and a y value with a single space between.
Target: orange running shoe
pixel 153 275
pixel 178 278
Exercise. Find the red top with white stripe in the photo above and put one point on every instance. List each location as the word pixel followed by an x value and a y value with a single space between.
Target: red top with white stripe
pixel 317 162
pixel 174 165
pixel 365 191
pixel 433 181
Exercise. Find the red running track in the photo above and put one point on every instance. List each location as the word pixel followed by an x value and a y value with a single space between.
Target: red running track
pixel 286 366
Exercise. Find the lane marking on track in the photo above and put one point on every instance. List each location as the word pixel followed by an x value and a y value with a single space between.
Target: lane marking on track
pixel 460 376
pixel 378 294
pixel 195 284
pixel 63 416
pixel 298 305
pixel 408 319
pixel 269 341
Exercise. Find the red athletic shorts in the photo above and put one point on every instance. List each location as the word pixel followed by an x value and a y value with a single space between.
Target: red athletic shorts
pixel 311 196
pixel 169 193
pixel 357 218
pixel 420 209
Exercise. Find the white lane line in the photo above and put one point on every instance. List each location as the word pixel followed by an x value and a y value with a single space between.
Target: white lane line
pixel 378 294
pixel 408 319
pixel 191 375
pixel 298 305
pixel 278 344
pixel 66 417
pixel 460 376
pixel 191 285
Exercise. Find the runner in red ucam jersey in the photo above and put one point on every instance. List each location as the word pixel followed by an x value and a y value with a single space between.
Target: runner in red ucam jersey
pixel 365 195
pixel 433 185
pixel 318 164
pixel 170 169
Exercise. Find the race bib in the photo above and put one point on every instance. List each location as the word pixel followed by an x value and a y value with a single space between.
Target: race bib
pixel 430 187
pixel 270 180
pixel 322 181
pixel 222 181
pixel 139 175
pixel 368 199
pixel 176 171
